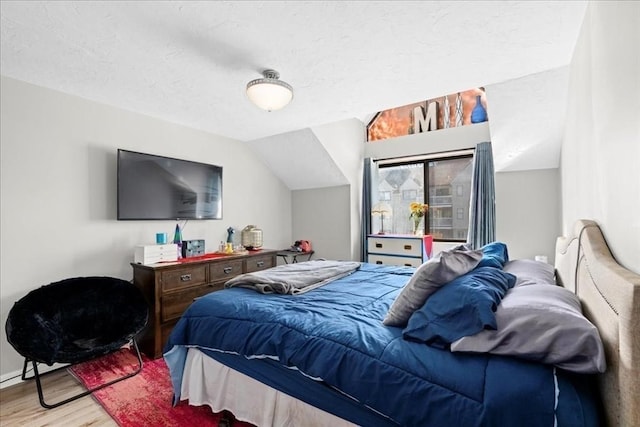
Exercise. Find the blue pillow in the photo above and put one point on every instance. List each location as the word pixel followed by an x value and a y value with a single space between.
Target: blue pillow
pixel 494 255
pixel 463 307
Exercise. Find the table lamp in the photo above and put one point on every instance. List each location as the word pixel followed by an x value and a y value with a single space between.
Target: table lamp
pixel 381 209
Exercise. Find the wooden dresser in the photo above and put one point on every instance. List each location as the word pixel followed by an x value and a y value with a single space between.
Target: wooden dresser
pixel 398 249
pixel 171 287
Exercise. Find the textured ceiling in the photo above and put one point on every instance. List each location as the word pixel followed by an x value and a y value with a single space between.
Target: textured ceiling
pixel 189 62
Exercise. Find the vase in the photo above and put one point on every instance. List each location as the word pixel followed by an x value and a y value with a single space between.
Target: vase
pixel 478 114
pixel 177 239
pixel 417 230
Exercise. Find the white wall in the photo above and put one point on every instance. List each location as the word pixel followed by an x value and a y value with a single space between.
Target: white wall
pixel 430 142
pixel 528 212
pixel 323 216
pixel 345 142
pixel 600 160
pixel 58 189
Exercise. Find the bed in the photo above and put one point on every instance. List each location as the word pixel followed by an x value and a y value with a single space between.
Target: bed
pixel 325 357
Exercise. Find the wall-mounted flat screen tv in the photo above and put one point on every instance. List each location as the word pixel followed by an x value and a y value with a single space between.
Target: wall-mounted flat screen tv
pixel 157 187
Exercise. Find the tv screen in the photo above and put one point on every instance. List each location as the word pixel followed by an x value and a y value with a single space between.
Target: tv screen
pixel 157 187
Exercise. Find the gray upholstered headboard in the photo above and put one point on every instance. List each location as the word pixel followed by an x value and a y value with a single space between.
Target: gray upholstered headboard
pixel 610 297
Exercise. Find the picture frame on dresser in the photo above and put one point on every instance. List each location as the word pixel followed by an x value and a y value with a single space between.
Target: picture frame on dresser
pixel 171 287
pixel 399 249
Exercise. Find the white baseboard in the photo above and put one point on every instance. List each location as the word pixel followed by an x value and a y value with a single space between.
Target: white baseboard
pixel 12 378
pixel 15 377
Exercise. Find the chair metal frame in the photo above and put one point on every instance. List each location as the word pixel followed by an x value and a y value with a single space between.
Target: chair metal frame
pixel 37 376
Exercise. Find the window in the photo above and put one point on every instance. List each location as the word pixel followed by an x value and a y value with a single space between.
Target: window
pixel 384 195
pixel 443 183
pixel 409 195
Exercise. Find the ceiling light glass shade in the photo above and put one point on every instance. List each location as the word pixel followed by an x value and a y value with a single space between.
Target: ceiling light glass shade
pixel 269 93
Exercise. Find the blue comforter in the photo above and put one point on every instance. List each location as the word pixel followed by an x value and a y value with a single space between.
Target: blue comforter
pixel 335 334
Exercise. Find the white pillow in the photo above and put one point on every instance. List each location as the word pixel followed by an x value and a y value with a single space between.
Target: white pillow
pixel 544 324
pixel 428 278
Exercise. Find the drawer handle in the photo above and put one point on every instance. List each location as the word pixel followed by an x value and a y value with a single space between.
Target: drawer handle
pixel 407 247
pixel 185 277
pixel 227 270
pixel 378 245
pixel 378 262
pixel 407 265
pixel 260 263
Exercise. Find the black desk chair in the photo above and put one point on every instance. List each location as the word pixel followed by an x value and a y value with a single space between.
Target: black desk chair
pixel 76 320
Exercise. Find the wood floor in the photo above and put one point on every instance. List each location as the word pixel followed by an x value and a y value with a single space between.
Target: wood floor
pixel 19 404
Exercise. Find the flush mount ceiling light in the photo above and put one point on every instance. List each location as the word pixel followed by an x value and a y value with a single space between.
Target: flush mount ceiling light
pixel 270 93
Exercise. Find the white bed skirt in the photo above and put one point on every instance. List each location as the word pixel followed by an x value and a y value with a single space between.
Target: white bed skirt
pixel 208 382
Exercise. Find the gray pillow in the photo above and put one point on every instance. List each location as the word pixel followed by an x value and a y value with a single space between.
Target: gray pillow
pixel 428 278
pixel 544 324
pixel 531 272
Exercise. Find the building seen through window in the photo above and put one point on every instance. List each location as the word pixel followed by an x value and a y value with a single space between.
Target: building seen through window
pixel 444 184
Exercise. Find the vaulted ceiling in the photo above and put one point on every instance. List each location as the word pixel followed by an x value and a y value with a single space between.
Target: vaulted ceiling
pixel 189 62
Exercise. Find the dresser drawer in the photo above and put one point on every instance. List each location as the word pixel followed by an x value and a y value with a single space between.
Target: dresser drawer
pixel 394 260
pixel 260 262
pixel 225 270
pixel 183 277
pixel 175 303
pixel 395 246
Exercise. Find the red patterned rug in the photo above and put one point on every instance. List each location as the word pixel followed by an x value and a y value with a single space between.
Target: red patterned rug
pixel 145 399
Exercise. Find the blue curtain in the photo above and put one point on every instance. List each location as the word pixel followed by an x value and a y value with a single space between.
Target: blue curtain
pixel 482 212
pixel 369 176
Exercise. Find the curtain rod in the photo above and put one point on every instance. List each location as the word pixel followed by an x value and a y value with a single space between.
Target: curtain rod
pixel 454 153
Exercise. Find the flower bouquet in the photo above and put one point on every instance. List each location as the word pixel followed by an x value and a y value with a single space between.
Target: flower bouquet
pixel 417 212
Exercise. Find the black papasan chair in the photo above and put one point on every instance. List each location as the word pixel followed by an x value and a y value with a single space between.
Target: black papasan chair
pixel 76 320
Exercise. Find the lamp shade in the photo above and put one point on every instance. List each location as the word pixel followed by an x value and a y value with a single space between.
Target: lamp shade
pixel 381 208
pixel 269 93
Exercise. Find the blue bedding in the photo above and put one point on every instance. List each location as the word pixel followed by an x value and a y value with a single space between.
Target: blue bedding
pixel 334 334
